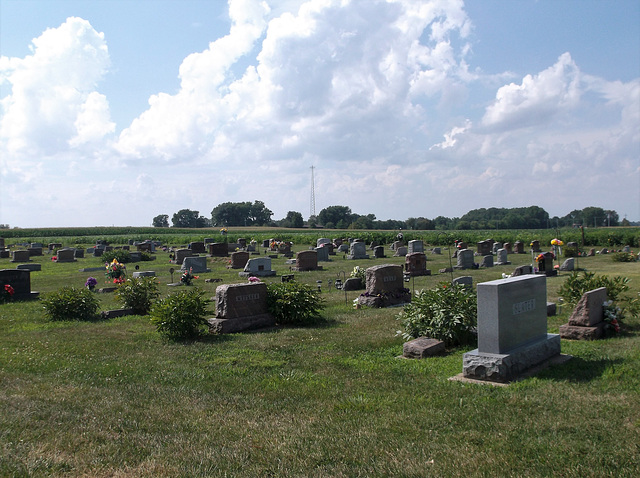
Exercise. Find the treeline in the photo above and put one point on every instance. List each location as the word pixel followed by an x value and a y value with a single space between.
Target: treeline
pixel 341 217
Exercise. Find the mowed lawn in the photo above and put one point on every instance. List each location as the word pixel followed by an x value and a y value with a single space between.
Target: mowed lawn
pixel 112 398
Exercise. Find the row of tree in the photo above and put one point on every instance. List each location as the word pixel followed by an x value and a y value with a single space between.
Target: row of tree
pixel 341 217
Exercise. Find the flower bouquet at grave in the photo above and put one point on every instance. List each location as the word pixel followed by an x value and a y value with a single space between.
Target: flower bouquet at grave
pixel 6 293
pixel 115 271
pixel 612 316
pixel 91 283
pixel 187 277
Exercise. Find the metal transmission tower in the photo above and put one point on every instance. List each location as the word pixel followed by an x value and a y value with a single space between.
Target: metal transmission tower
pixel 312 207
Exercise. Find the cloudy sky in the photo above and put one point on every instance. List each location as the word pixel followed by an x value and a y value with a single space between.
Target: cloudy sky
pixel 114 111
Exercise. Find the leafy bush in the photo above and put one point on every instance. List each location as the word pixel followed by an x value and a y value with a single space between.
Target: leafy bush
pixel 360 273
pixel 120 255
pixel 181 315
pixel 138 293
pixel 624 257
pixel 577 284
pixel 447 312
pixel 294 303
pixel 71 303
pixel 145 256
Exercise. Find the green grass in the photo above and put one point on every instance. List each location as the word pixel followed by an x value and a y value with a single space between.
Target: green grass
pixel 111 398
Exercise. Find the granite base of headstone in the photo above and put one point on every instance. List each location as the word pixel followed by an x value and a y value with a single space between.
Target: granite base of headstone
pixel 422 347
pixel 512 329
pixel 21 256
pixel 587 319
pixel 30 267
pixel 240 307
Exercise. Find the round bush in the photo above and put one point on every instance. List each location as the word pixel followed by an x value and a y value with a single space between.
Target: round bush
pixel 138 293
pixel 294 303
pixel 447 312
pixel 71 303
pixel 121 255
pixel 181 316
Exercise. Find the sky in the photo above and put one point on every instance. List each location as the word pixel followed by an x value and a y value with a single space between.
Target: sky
pixel 115 111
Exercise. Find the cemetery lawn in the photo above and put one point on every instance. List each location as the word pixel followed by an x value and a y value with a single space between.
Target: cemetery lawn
pixel 112 398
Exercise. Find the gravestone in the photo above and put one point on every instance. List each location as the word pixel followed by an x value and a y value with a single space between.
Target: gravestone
pixel 568 264
pixel 384 287
pixel 322 241
pixel 145 246
pixel 258 267
pixel 401 251
pixel 35 251
pixel 218 249
pixel 358 250
pixel 138 274
pixel 240 307
pixel 135 256
pixel 209 240
pixel 592 252
pixel 378 252
pixel 466 281
pixel 197 247
pixel 180 254
pixel 535 246
pixel 522 270
pixel 239 259
pixel 484 248
pixel 487 261
pixel 394 245
pixel 512 329
pixel 518 247
pixel 502 256
pixel 97 252
pixel 436 250
pixel 545 264
pixel 33 267
pixel 195 264
pixel 353 283
pixel 415 246
pixel 496 246
pixel 507 246
pixel 20 280
pixel 2 246
pixel 242 242
pixel 307 261
pixel 54 245
pixel 323 253
pixel 416 264
pixel 587 319
pixel 79 253
pixel 265 243
pixel 21 256
pixel 68 254
pixel 465 259
pixel 343 248
pixel 4 253
pixel 422 347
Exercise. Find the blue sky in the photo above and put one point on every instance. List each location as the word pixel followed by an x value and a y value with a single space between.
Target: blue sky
pixel 114 111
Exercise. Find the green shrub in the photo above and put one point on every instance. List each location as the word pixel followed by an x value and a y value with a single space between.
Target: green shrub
pixel 121 255
pixel 145 256
pixel 447 312
pixel 138 293
pixel 577 284
pixel 71 303
pixel 624 257
pixel 294 303
pixel 180 316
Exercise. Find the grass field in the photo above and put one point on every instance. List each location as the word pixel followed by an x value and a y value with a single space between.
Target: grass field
pixel 111 398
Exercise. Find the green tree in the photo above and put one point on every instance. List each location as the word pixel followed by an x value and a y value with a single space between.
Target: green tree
pixel 161 220
pixel 293 219
pixel 185 218
pixel 231 214
pixel 259 214
pixel 337 215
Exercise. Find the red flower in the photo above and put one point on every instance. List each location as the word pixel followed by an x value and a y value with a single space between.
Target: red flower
pixel 10 290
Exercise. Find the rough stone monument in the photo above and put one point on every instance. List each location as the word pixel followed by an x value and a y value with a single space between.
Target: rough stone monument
pixel 240 307
pixel 384 287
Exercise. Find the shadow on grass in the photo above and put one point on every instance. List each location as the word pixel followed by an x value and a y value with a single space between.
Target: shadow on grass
pixel 579 370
